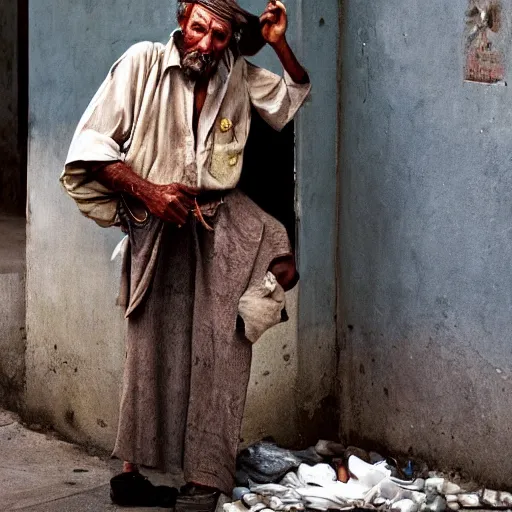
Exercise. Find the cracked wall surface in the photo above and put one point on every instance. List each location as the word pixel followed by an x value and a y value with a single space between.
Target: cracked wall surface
pixel 426 241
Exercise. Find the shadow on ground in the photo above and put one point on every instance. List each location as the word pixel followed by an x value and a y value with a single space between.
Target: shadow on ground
pixel 40 473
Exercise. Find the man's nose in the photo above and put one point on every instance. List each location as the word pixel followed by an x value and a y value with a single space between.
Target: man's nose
pixel 205 45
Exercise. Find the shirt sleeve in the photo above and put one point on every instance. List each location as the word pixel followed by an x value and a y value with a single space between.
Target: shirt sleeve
pixel 276 98
pixel 103 132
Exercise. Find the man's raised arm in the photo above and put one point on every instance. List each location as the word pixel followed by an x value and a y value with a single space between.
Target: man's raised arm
pixel 274 23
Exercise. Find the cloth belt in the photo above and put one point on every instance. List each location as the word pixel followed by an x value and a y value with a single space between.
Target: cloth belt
pixel 207 203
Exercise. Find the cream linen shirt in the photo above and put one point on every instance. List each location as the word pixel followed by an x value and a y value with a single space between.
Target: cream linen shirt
pixel 142 114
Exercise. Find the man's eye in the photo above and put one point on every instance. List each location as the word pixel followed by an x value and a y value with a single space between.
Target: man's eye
pixel 199 28
pixel 220 36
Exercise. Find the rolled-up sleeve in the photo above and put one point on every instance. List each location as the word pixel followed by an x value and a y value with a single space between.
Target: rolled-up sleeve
pixel 103 132
pixel 276 98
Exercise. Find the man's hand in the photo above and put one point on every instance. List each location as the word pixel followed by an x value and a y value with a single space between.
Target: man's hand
pixel 274 22
pixel 171 203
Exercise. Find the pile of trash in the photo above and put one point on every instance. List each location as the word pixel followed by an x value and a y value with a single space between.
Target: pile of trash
pixel 330 477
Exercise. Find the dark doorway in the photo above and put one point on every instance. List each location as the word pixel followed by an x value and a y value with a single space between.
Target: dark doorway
pixel 13 132
pixel 268 175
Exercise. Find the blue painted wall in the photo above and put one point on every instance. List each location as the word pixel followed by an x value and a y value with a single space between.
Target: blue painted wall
pixel 317 134
pixel 426 246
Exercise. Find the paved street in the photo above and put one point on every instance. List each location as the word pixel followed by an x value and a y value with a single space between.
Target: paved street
pixel 40 473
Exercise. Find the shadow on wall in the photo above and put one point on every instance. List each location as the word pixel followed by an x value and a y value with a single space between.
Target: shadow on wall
pixel 14 105
pixel 13 151
pixel 268 175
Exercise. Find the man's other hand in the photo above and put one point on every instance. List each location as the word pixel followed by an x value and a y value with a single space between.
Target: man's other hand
pixel 285 271
pixel 274 22
pixel 171 203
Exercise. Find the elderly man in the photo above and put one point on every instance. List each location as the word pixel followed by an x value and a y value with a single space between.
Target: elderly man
pixel 159 153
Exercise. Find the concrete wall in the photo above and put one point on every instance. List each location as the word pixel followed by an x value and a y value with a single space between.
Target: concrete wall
pixel 10 183
pixel 426 240
pixel 272 405
pixel 12 339
pixel 12 311
pixel 75 347
pixel 317 130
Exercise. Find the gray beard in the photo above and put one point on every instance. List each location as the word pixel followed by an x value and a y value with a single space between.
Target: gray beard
pixel 196 65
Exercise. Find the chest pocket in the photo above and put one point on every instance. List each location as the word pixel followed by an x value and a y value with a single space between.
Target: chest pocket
pixel 228 148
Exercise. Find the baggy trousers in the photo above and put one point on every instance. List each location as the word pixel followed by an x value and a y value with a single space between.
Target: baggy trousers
pixel 187 366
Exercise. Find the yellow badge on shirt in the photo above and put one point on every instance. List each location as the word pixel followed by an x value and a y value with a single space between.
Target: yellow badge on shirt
pixel 225 125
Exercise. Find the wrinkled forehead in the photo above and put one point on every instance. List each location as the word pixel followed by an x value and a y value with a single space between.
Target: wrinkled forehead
pixel 206 17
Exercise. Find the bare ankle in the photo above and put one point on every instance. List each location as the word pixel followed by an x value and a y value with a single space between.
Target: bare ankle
pixel 128 467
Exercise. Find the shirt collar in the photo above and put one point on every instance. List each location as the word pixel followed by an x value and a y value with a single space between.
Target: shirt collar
pixel 172 59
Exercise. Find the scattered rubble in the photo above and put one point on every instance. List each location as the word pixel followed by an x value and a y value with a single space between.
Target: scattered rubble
pixel 330 477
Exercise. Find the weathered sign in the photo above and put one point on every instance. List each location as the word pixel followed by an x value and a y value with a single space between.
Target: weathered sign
pixel 485 61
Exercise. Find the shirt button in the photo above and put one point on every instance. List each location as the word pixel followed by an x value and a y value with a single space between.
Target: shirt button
pixel 233 160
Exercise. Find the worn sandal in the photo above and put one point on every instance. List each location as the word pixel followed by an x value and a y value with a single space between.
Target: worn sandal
pixel 135 490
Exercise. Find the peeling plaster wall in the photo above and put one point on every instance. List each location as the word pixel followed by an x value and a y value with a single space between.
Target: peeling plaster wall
pixel 426 240
pixel 75 350
pixel 10 183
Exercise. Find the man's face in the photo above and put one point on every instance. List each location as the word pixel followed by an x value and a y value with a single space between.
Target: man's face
pixel 205 39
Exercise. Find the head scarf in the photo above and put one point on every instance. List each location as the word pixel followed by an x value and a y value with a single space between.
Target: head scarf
pixel 246 26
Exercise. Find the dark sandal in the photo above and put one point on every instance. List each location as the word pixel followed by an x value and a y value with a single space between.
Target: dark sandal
pixel 135 490
pixel 196 498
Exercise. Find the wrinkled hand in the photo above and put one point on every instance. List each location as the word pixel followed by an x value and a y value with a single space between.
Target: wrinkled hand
pixel 274 22
pixel 171 203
